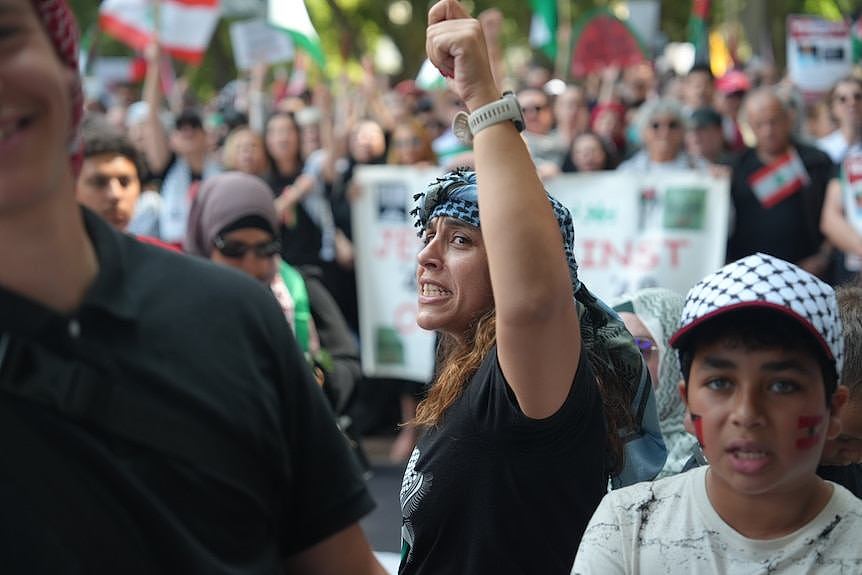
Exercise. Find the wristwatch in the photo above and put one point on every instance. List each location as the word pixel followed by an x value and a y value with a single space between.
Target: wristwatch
pixel 465 126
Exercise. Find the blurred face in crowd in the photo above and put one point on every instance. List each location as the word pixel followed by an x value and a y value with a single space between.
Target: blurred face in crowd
pixel 847 104
pixel 645 342
pixel 244 152
pixel 818 120
pixel 770 123
pixel 367 143
pixel 846 449
pixel 608 125
pixel 109 185
pixel 409 145
pixel 697 89
pixel 35 115
pixel 251 250
pixel 588 154
pixel 189 140
pixel 705 142
pixel 730 104
pixel 538 117
pixel 282 138
pixel 570 110
pixel 663 137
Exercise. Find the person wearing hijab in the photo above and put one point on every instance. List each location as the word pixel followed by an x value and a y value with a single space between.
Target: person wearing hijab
pixel 156 414
pixel 233 222
pixel 651 315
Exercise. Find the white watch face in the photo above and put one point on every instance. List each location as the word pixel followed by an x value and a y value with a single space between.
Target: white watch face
pixel 461 128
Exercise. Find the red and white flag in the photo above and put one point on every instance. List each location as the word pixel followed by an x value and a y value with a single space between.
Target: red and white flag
pixel 778 181
pixel 185 27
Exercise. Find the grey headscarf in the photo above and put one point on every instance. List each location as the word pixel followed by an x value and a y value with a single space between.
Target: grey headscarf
pixel 660 309
pixel 222 200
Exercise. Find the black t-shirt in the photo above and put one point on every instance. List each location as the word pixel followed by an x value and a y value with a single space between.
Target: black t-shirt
pixel 169 425
pixel 789 230
pixel 492 491
pixel 850 476
pixel 300 242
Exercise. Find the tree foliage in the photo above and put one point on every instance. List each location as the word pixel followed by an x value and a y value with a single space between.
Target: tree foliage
pixel 350 28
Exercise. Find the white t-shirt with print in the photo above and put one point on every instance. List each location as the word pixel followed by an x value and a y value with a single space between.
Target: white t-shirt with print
pixel 670 527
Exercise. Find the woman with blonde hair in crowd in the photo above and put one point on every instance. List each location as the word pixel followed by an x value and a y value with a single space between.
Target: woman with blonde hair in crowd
pixel 243 151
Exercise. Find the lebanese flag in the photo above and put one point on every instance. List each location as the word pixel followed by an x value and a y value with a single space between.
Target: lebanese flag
pixel 778 181
pixel 185 26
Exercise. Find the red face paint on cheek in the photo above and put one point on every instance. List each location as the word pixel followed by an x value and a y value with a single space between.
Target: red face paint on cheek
pixel 808 434
pixel 697 422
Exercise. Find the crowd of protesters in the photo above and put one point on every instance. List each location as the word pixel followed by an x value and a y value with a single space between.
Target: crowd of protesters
pixel 740 400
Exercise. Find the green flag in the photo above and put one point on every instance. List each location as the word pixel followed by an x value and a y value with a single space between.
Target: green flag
pixel 292 17
pixel 543 28
pixel 698 34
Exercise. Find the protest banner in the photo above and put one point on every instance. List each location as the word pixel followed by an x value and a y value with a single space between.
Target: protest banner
pixel 819 52
pixel 386 244
pixel 631 231
pixel 256 42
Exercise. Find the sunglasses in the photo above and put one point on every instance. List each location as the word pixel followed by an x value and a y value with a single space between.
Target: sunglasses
pixel 843 98
pixel 237 250
pixel 646 346
pixel 671 125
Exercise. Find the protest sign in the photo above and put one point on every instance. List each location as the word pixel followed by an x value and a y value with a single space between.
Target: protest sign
pixel 819 52
pixel 631 231
pixel 386 244
pixel 256 42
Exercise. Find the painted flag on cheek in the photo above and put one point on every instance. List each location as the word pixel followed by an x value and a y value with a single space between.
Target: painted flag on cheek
pixel 808 433
pixel 697 422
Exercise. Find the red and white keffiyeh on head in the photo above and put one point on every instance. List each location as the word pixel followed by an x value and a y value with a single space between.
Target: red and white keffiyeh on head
pixel 59 23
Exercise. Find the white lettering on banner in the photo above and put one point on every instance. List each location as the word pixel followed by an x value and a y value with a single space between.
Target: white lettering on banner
pixel 631 231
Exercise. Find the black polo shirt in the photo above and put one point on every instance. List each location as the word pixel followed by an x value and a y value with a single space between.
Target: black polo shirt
pixel 170 425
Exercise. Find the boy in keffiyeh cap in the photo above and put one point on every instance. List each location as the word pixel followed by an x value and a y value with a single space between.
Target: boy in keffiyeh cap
pixel 761 349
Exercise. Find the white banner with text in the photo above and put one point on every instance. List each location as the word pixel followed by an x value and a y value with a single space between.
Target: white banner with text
pixel 631 231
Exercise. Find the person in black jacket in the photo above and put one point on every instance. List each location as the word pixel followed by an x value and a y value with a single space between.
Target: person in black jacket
pixel 777 189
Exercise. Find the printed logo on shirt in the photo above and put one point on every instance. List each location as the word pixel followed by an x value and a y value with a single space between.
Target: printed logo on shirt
pixel 414 488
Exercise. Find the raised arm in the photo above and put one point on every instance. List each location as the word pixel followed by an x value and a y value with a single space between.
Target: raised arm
pixel 538 336
pixel 834 224
pixel 156 146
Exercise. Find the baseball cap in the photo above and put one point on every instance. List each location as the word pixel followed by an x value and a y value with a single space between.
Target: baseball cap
pixel 766 282
pixel 733 81
pixel 703 117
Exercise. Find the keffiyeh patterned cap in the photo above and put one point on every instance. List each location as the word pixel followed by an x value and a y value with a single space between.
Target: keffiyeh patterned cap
pixel 455 195
pixel 59 23
pixel 766 282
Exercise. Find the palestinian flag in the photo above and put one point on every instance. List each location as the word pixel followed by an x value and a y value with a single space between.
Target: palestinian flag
pixel 698 31
pixel 778 181
pixel 292 17
pixel 184 27
pixel 543 28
